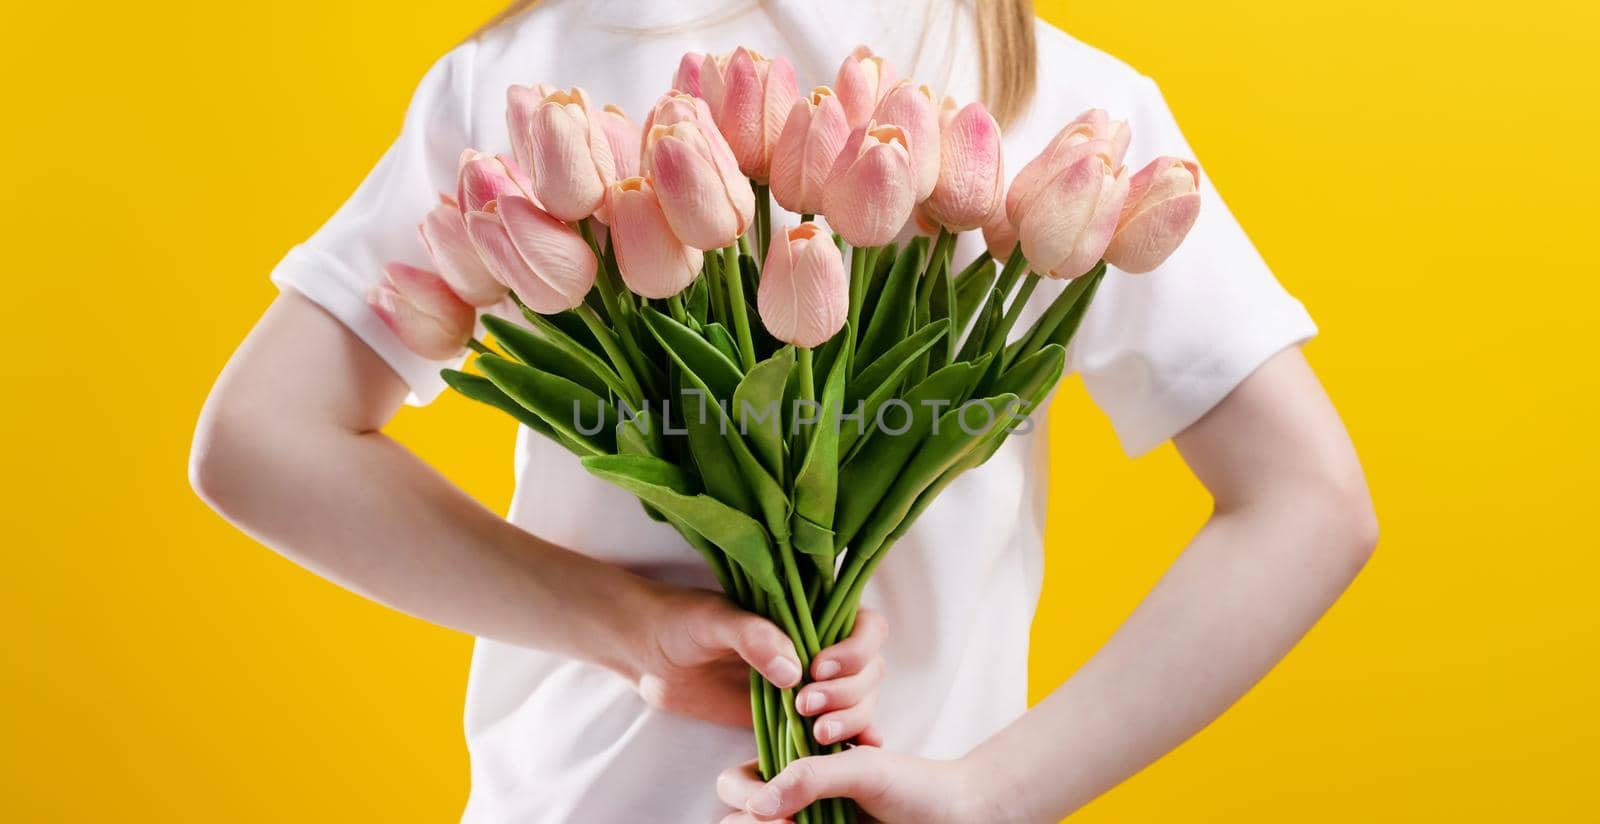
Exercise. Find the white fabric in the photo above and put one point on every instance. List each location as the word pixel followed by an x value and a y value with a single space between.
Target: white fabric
pixel 556 740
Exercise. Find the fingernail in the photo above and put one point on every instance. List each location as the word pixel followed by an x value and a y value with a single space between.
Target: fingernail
pixel 810 702
pixel 785 672
pixel 827 669
pixel 764 802
pixel 826 731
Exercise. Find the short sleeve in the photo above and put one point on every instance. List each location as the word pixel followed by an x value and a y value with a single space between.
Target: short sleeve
pixel 1159 350
pixel 338 264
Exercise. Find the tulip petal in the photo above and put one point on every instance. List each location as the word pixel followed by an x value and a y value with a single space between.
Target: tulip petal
pixel 654 262
pixel 1147 240
pixel 971 171
pixel 554 253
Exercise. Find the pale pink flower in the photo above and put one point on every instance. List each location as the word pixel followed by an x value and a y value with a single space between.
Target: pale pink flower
pixel 419 308
pixel 863 78
pixel 804 296
pixel 812 136
pixel 870 191
pixel 571 159
pixel 1067 225
pixel 1161 207
pixel 971 171
pixel 687 78
pixel 913 109
pixel 444 233
pixel 654 262
pixel 707 200
pixel 755 97
pixel 624 139
pixel 481 178
pixel 539 257
pixel 1073 142
pixel 999 235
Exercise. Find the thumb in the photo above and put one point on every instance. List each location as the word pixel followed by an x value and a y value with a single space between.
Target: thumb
pixel 860 773
pixel 755 639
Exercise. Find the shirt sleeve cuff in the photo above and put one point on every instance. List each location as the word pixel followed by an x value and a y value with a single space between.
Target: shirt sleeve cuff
pixel 1187 393
pixel 329 284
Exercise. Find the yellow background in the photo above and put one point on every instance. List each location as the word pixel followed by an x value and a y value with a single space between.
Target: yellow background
pixel 1420 174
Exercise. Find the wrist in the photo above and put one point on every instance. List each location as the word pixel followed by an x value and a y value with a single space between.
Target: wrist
pixel 986 793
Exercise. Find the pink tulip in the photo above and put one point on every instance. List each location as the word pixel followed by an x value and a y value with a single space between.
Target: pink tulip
pixel 863 79
pixel 1162 205
pixel 687 78
pixel 707 201
pixel 756 96
pixel 999 235
pixel 971 172
pixel 422 312
pixel 542 259
pixel 811 139
pixel 654 262
pixel 444 232
pixel 1066 148
pixel 1068 224
pixel 870 191
pixel 804 296
pixel 481 178
pixel 913 109
pixel 571 160
pixel 713 71
pixel 624 140
pixel 520 103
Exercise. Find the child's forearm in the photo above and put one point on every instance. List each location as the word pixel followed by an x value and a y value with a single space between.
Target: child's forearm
pixel 288 449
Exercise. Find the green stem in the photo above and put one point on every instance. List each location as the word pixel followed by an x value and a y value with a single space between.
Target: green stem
pixel 763 222
pixel 1014 268
pixel 734 279
pixel 713 276
pixel 477 346
pixel 797 596
pixel 807 217
pixel 614 351
pixel 808 394
pixel 758 719
pixel 858 287
pixel 675 305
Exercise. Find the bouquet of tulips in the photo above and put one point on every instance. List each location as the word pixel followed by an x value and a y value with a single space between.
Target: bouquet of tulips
pixel 793 439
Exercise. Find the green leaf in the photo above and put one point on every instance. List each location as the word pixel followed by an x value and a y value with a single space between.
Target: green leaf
pixel 868 474
pixel 875 385
pixel 1034 374
pixel 569 409
pixel 666 488
pixel 897 304
pixel 972 289
pixel 1063 310
pixel 987 319
pixel 717 335
pixel 694 354
pixel 945 447
pixel 758 407
pixel 816 485
pixel 770 497
pixel 876 278
pixel 719 470
pixel 698 301
pixel 552 350
pixel 1063 334
pixel 483 390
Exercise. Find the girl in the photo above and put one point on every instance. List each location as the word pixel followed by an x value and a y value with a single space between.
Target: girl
pixel 600 654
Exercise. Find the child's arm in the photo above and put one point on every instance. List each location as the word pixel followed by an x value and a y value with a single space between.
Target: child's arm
pixel 289 449
pixel 1293 524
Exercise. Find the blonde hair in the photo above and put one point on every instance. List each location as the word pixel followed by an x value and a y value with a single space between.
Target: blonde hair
pixel 1007 54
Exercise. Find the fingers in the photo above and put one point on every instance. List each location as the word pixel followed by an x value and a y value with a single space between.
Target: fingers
pixel 846 691
pixel 854 653
pixel 862 772
pixel 735 784
pixel 755 639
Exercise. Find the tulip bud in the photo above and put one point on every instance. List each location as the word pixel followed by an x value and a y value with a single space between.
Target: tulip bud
pixel 812 136
pixel 971 172
pixel 863 79
pixel 1066 148
pixel 481 178
pixel 520 103
pixel 571 160
pixel 654 262
pixel 804 296
pixel 1161 207
pixel 999 235
pixel 624 140
pixel 870 191
pixel 540 258
pixel 1068 224
pixel 756 96
pixel 913 109
pixel 707 201
pixel 444 232
pixel 422 312
pixel 713 74
pixel 687 78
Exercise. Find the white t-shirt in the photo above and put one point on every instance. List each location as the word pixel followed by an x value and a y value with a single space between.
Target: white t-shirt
pixel 553 739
